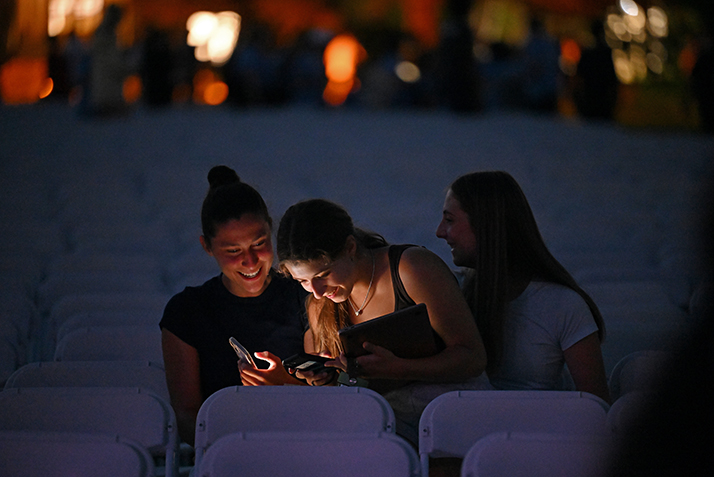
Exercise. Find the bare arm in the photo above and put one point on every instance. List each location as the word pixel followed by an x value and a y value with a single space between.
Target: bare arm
pixel 184 382
pixel 428 280
pixel 584 360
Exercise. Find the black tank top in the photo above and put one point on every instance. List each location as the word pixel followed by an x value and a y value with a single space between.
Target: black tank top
pixel 401 297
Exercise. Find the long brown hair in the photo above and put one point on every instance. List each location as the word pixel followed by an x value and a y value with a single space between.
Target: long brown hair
pixel 317 230
pixel 508 244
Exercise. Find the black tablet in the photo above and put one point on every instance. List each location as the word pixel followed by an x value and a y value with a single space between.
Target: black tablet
pixel 407 333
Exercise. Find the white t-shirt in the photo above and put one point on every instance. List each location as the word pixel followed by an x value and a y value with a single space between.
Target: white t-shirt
pixel 540 324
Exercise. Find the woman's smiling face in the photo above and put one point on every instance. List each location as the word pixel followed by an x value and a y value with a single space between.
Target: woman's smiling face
pixel 243 250
pixel 324 278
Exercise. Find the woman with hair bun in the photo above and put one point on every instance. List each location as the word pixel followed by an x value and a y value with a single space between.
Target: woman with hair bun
pixel 248 300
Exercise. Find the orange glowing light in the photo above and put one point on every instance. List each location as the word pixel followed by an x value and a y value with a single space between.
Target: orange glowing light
pixel 342 55
pixel 131 89
pixel 570 51
pixel 22 80
pixel 336 93
pixel 47 88
pixel 216 93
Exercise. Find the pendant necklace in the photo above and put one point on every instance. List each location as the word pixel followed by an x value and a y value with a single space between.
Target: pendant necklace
pixel 358 311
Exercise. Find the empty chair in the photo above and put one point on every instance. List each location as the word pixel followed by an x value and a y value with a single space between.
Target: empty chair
pixel 69 454
pixel 71 305
pixel 17 305
pixel 108 318
pixel 120 262
pixel 701 302
pixel 138 374
pixel 625 413
pixel 10 358
pixel 111 343
pixel 290 408
pixel 123 236
pixel 511 454
pixel 638 371
pixel 454 421
pixel 131 413
pixel 306 453
pixel 58 285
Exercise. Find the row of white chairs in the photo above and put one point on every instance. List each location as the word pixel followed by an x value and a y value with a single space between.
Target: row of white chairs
pixel 302 430
pixel 274 407
pixel 128 412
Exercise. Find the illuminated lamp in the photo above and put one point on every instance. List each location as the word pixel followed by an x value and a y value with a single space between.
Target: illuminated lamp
pixel 22 80
pixel 215 93
pixel 46 88
pixel 131 89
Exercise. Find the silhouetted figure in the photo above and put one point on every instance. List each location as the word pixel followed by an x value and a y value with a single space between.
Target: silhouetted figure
pixel 595 89
pixel 671 436
pixel 157 68
pixel 541 81
pixel 702 83
pixel 109 66
pixel 460 81
pixel 58 69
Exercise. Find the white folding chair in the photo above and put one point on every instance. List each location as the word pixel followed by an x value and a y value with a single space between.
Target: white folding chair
pixel 511 454
pixel 69 454
pixel 638 371
pixel 108 318
pixel 122 262
pixel 71 305
pixel 132 413
pixel 290 408
pixel 627 413
pixel 60 284
pixel 286 454
pixel 137 374
pixel 112 343
pixel 454 421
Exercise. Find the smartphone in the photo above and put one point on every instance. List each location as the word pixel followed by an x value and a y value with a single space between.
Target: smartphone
pixel 243 354
pixel 308 362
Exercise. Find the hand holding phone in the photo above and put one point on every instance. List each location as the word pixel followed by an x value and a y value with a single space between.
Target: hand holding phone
pixel 244 356
pixel 307 362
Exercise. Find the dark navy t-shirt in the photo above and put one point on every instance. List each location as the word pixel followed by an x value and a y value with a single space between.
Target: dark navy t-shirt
pixel 206 317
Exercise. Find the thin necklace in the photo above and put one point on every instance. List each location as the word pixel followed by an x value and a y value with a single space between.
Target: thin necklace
pixel 364 303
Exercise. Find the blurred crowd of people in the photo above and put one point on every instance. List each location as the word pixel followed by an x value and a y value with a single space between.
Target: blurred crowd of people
pixel 456 75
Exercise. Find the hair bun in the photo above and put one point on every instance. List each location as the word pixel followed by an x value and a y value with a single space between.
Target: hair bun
pixel 222 175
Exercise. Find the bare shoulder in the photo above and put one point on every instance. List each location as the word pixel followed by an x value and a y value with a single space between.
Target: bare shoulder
pixel 421 269
pixel 416 260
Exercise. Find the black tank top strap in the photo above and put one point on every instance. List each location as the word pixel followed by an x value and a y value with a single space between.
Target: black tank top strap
pixel 401 297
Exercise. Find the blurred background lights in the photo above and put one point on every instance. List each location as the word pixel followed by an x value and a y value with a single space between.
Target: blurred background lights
pixel 214 35
pixel 635 36
pixel 407 72
pixel 341 56
pixel 657 23
pixel 629 7
pixel 63 14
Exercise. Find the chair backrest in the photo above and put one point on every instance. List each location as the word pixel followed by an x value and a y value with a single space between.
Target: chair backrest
pixel 637 371
pixel 537 455
pixel 288 454
pixel 290 408
pixel 137 374
pixel 132 413
pixel 108 318
pixel 111 343
pixel 70 305
pixel 628 412
pixel 68 454
pixel 454 421
pixel 61 284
